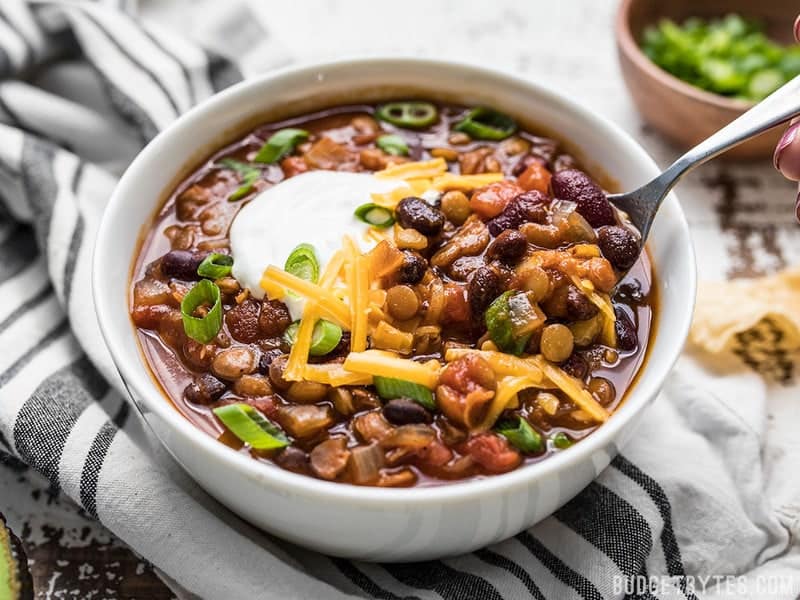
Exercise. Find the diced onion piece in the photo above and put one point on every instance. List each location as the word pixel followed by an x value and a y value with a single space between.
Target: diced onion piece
pixel 389 388
pixel 414 170
pixel 572 388
pixel 329 305
pixel 202 329
pixel 388 364
pixel 465 183
pixel 250 426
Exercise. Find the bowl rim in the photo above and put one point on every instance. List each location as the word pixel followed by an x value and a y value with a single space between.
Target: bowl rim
pixel 141 386
pixel 627 44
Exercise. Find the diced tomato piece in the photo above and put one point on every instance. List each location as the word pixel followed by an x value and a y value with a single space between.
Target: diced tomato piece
pixel 456 306
pixel 535 177
pixel 493 453
pixel 489 201
pixel 293 165
pixel 435 454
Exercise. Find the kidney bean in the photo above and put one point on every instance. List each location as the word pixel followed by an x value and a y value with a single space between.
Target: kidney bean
pixel 181 264
pixel 484 285
pixel 627 339
pixel 402 411
pixel 578 306
pixel 508 247
pixel 563 162
pixel 619 245
pixel 205 389
pixel 243 320
pixel 415 213
pixel 274 318
pixel 526 207
pixel 591 201
pixel 276 368
pixel 413 268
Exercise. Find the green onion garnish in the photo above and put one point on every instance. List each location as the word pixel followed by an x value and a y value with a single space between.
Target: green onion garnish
pixel 561 440
pixel 280 144
pixel 324 339
pixel 215 266
pixel 500 325
pixel 303 263
pixel 486 124
pixel 249 173
pixel 392 144
pixel 521 435
pixel 375 215
pixel 202 329
pixel 408 114
pixel 250 426
pixel 389 388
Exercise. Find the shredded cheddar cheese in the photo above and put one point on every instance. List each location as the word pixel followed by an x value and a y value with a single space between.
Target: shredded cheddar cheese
pixel 414 170
pixel 572 388
pixel 329 305
pixel 502 364
pixel 335 375
pixel 298 357
pixel 506 397
pixel 389 364
pixel 465 183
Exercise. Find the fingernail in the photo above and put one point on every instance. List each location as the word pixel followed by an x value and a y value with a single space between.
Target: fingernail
pixel 797 28
pixel 787 139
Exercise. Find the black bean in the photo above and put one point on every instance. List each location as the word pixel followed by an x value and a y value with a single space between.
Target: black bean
pixel 630 292
pixel 266 358
pixel 619 245
pixel 592 204
pixel 508 247
pixel 181 264
pixel 526 207
pixel 415 213
pixel 204 389
pixel 484 285
pixel 627 339
pixel 403 411
pixel 579 307
pixel 576 366
pixel 413 268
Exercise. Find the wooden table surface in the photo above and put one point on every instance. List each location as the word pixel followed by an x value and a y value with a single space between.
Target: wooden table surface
pixel 740 215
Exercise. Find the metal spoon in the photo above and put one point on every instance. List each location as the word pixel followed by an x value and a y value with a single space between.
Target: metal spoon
pixel 642 204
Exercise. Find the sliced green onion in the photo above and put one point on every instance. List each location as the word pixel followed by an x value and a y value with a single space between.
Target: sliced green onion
pixel 215 266
pixel 324 339
pixel 250 426
pixel 377 216
pixel 389 388
pixel 280 144
pixel 561 440
pixel 408 114
pixel 486 124
pixel 303 263
pixel 521 435
pixel 202 329
pixel 249 173
pixel 501 325
pixel 392 144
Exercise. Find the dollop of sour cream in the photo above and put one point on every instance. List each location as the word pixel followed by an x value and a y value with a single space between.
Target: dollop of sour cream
pixel 315 208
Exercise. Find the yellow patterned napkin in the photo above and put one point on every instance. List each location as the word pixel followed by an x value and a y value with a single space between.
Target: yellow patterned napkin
pixel 756 319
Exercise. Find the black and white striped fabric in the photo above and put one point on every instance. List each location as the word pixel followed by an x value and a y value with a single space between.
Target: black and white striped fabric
pixel 83 85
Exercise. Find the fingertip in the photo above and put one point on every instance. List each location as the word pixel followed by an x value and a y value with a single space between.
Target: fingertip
pixel 797 28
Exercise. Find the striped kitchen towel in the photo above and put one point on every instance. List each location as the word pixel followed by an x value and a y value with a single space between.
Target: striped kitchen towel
pixel 83 86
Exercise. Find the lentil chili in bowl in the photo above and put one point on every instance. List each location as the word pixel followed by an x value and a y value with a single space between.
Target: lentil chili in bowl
pixel 399 294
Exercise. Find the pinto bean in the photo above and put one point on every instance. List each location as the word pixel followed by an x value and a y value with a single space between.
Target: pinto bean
pixel 252 385
pixel 232 363
pixel 276 368
pixel 305 420
pixel 189 202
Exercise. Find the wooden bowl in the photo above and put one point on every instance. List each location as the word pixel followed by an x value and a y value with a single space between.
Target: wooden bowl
pixel 682 112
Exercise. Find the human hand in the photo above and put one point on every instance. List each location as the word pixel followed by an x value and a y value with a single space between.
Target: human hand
pixel 787 153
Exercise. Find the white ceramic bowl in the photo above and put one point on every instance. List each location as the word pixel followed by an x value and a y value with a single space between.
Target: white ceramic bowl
pixel 362 522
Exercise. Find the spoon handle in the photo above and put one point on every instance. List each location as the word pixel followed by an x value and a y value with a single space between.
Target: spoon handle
pixel 643 203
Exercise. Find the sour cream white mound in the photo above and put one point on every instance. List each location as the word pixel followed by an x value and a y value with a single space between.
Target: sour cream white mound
pixel 315 208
